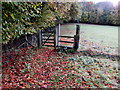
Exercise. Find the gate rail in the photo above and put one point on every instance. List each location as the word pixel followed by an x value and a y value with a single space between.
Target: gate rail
pixel 44 36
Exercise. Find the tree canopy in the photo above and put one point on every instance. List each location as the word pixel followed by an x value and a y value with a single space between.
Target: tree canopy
pixel 21 18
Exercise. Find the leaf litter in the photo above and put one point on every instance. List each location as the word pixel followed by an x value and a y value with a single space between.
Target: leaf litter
pixel 49 68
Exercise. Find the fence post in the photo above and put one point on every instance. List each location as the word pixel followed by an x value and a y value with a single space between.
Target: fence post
pixel 76 38
pixel 39 36
pixel 56 36
pixel 58 30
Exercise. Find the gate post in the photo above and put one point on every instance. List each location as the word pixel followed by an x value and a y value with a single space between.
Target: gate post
pixel 39 36
pixel 76 38
pixel 56 38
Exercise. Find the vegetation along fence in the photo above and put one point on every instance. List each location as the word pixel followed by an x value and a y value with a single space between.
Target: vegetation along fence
pixel 50 37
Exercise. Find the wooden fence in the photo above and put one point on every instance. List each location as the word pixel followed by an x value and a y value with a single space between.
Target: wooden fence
pixel 51 37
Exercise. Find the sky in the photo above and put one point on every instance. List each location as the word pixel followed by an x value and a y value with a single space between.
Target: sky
pixel 115 2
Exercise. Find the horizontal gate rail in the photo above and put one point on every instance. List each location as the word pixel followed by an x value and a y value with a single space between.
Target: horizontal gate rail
pixel 49 42
pixel 46 39
pixel 47 35
pixel 66 41
pixel 66 36
pixel 49 45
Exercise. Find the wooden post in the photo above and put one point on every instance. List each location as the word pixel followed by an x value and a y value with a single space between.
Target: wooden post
pixel 76 38
pixel 39 36
pixel 58 30
pixel 26 40
pixel 77 29
pixel 56 37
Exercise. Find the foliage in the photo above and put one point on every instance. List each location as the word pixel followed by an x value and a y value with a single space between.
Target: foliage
pixel 18 19
pixel 21 18
pixel 91 13
pixel 48 68
pixel 74 12
pixel 104 17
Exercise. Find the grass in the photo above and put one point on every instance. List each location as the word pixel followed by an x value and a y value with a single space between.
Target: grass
pixel 105 35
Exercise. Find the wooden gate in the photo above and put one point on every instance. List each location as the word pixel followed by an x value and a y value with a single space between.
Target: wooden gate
pixel 47 37
pixel 76 37
pixel 51 37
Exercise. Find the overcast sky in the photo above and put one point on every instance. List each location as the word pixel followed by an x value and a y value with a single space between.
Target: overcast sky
pixel 115 2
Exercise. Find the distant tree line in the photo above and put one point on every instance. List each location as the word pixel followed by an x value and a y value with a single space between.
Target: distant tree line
pixel 100 13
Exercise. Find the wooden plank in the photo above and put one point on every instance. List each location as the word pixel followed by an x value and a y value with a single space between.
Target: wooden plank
pixel 67 36
pixel 48 35
pixel 45 38
pixel 49 45
pixel 48 39
pixel 68 47
pixel 49 42
pixel 66 41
